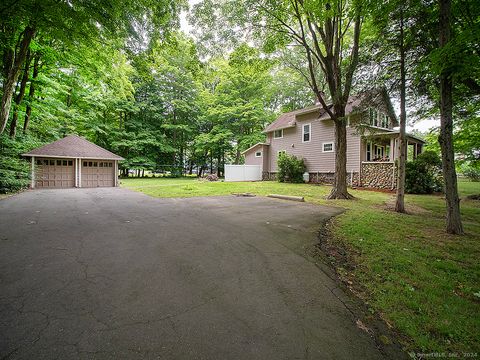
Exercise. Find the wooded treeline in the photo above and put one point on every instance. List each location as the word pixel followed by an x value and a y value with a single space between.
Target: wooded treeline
pixel 121 74
pixel 138 89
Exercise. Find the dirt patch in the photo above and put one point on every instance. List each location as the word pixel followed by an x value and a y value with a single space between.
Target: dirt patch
pixel 473 197
pixel 387 191
pixel 411 209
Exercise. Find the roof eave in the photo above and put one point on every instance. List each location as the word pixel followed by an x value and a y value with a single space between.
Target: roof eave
pixel 254 146
pixel 279 128
pixel 74 157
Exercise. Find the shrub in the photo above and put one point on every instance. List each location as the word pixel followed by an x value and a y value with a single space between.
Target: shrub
pixel 290 168
pixel 471 172
pixel 14 170
pixel 424 174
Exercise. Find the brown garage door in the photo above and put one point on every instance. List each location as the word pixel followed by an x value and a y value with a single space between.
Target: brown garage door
pixel 55 173
pixel 97 173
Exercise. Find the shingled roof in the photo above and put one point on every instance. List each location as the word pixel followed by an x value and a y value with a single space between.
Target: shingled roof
pixel 73 146
pixel 354 103
pixel 287 120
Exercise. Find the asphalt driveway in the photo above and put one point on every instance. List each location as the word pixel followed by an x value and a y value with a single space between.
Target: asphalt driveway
pixel 111 273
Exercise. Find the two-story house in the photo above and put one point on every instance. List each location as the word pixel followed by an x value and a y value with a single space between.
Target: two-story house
pixel 372 142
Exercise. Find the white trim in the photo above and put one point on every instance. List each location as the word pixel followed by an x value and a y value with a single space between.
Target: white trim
pixel 258 152
pixel 251 147
pixel 32 184
pixel 72 157
pixel 378 162
pixel 277 137
pixel 309 132
pixel 75 168
pixel 328 143
pixel 115 180
pixel 79 172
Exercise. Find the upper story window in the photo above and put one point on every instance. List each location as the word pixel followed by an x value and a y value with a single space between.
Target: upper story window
pixel 306 132
pixel 327 147
pixel 278 134
pixel 377 118
pixel 258 154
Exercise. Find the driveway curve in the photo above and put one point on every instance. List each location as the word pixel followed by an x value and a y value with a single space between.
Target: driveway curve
pixel 111 273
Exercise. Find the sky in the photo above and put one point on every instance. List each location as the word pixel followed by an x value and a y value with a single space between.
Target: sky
pixel 423 125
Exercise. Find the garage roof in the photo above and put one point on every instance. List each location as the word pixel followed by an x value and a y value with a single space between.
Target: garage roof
pixel 73 146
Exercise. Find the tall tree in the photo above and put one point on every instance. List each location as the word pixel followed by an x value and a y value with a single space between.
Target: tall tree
pixel 454 223
pixel 71 22
pixel 329 34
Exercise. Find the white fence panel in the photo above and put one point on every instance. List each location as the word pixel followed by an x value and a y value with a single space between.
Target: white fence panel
pixel 243 173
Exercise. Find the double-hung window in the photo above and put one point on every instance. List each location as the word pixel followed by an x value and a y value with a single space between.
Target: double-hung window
pixel 306 132
pixel 278 134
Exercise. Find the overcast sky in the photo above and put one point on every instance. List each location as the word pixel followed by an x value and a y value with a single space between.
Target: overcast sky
pixel 422 126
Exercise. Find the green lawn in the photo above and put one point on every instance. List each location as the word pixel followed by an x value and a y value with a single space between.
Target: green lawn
pixel 405 267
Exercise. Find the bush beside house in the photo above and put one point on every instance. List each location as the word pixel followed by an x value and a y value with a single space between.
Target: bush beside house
pixel 290 168
pixel 424 174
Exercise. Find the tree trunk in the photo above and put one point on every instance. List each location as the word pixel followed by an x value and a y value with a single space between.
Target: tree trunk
pixel 31 92
pixel 454 222
pixel 400 202
pixel 340 190
pixel 21 93
pixel 12 77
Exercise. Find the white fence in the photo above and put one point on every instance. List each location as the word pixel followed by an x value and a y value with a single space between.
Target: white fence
pixel 243 173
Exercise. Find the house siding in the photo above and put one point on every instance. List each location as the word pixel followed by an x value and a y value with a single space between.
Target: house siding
pixel 250 158
pixel 322 131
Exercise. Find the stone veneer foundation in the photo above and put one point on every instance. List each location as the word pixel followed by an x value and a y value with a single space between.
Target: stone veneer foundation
pixel 378 175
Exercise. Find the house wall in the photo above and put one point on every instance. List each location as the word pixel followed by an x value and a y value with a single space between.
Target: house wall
pixel 250 158
pixel 322 131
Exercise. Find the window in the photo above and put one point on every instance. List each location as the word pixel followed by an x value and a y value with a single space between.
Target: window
pixel 280 152
pixel 258 154
pixel 327 147
pixel 39 162
pixel 64 162
pixel 90 164
pixel 109 164
pixel 384 121
pixel 45 162
pixel 379 151
pixel 369 151
pixel 59 162
pixel 52 162
pixel 70 162
pixel 100 164
pixel 85 163
pixel 278 134
pixel 373 116
pixel 95 164
pixel 306 133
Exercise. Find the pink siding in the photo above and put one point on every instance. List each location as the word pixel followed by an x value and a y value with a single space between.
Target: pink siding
pixel 322 131
pixel 251 159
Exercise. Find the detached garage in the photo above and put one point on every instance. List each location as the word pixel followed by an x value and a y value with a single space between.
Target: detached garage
pixel 73 162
